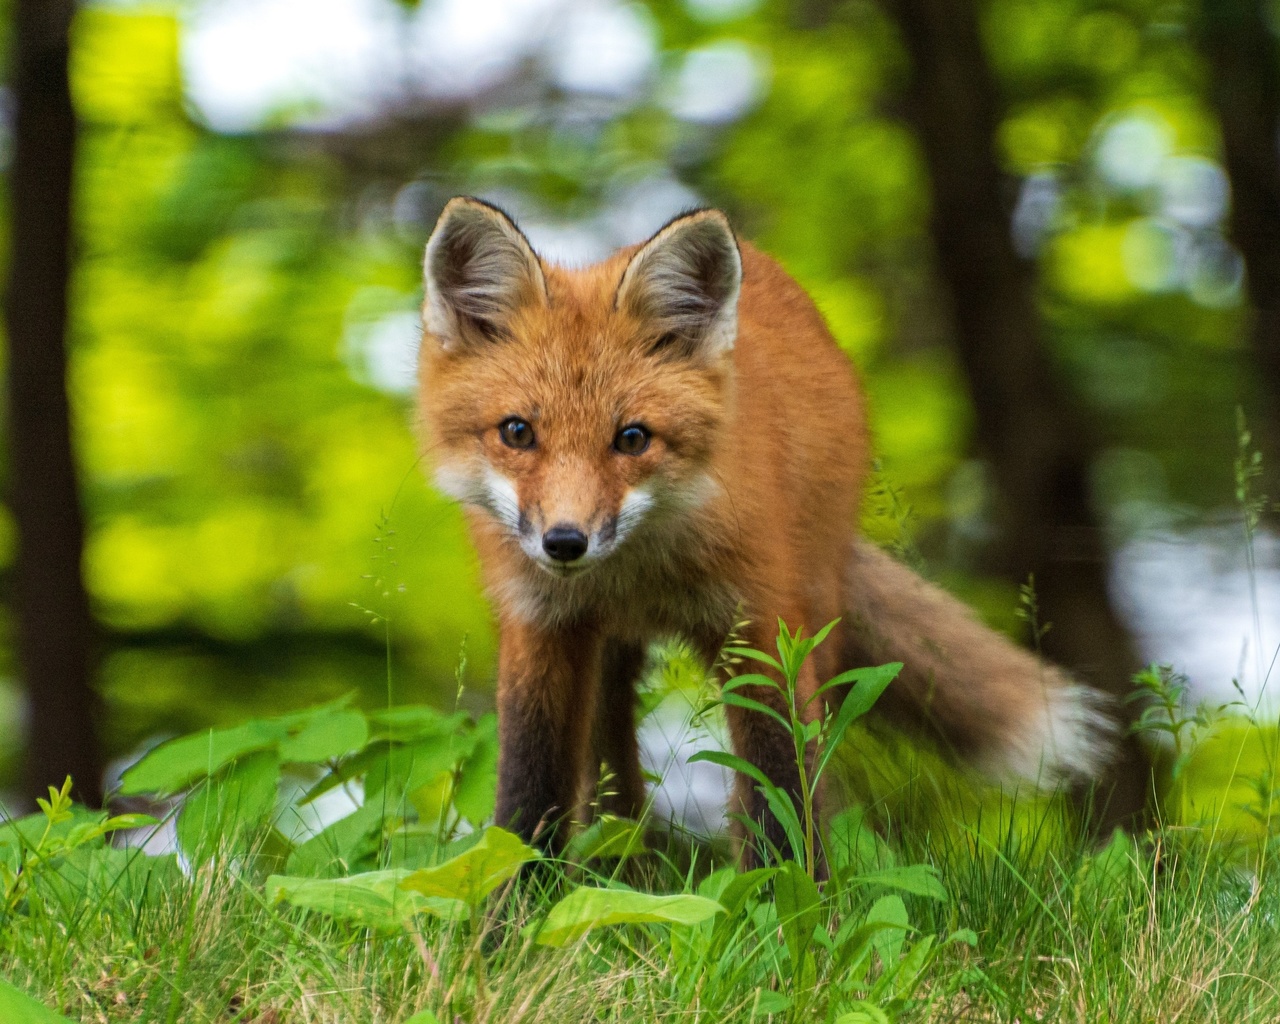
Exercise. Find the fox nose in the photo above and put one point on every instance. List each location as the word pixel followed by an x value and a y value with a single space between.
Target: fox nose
pixel 564 543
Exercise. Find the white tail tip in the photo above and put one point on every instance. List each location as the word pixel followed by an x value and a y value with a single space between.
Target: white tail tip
pixel 1071 740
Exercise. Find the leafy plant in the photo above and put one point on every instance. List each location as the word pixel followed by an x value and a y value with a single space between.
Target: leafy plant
pixel 815 733
pixel 40 842
pixel 826 946
pixel 1160 692
pixel 416 774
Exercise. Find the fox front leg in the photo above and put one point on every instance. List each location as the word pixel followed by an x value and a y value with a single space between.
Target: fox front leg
pixel 547 690
pixel 616 744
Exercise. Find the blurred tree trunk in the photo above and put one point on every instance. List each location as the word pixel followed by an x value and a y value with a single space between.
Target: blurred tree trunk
pixel 1036 440
pixel 1237 39
pixel 54 629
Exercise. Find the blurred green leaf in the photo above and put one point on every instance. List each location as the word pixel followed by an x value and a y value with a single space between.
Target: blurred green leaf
pixel 863 1013
pixel 179 762
pixel 917 879
pixel 330 735
pixel 375 899
pixel 587 908
pixel 472 875
pixel 607 837
pixel 770 1002
pixel 16 1007
pixel 799 909
pixel 476 791
pixel 890 913
pixel 742 887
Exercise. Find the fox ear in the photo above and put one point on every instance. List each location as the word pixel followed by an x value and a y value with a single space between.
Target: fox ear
pixel 685 281
pixel 479 269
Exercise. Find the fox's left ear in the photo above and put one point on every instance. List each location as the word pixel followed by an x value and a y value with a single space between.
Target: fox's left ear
pixel 685 281
pixel 479 270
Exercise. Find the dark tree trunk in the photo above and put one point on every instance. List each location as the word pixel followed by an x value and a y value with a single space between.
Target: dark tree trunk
pixel 1236 38
pixel 51 611
pixel 1037 442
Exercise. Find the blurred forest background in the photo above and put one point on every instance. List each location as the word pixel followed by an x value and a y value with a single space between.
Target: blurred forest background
pixel 1047 232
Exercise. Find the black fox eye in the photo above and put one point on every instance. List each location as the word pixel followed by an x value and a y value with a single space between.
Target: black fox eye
pixel 516 433
pixel 632 440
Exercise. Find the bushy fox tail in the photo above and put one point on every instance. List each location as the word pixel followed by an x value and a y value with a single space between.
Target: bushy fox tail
pixel 990 701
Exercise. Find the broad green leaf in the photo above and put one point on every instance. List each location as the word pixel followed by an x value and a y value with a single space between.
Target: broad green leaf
pixel 859 700
pixel 412 722
pixel 120 822
pixel 371 762
pixel 374 899
pixel 587 908
pixel 754 655
pixel 769 1001
pixel 26 832
pixel 423 1017
pixel 905 978
pixel 799 908
pixel 863 1013
pixel 733 762
pixel 821 635
pixel 16 1007
pixel 714 885
pixel 749 679
pixel 607 836
pixel 472 875
pixel 1115 866
pixel 743 887
pixel 477 786
pixel 178 763
pixel 917 879
pixel 737 700
pixel 892 912
pixel 852 676
pixel 327 736
pixel 854 941
pixel 226 810
pixel 174 765
pixel 433 799
pixel 407 767
pixel 967 936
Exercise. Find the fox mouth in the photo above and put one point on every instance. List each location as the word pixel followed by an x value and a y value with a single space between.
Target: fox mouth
pixel 565 572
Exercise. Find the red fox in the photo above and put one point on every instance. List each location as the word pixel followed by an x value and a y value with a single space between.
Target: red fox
pixel 648 446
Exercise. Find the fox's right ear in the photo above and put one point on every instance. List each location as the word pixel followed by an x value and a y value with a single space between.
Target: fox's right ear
pixel 479 269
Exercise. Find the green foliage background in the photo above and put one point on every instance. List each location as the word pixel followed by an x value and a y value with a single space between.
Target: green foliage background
pixel 260 530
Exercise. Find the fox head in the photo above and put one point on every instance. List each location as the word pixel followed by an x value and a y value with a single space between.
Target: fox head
pixel 576 408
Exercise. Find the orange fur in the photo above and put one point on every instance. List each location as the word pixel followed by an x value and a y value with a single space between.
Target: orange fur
pixel 747 495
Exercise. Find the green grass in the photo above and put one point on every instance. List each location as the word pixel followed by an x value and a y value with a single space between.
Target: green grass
pixel 1178 932
pixel 945 900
